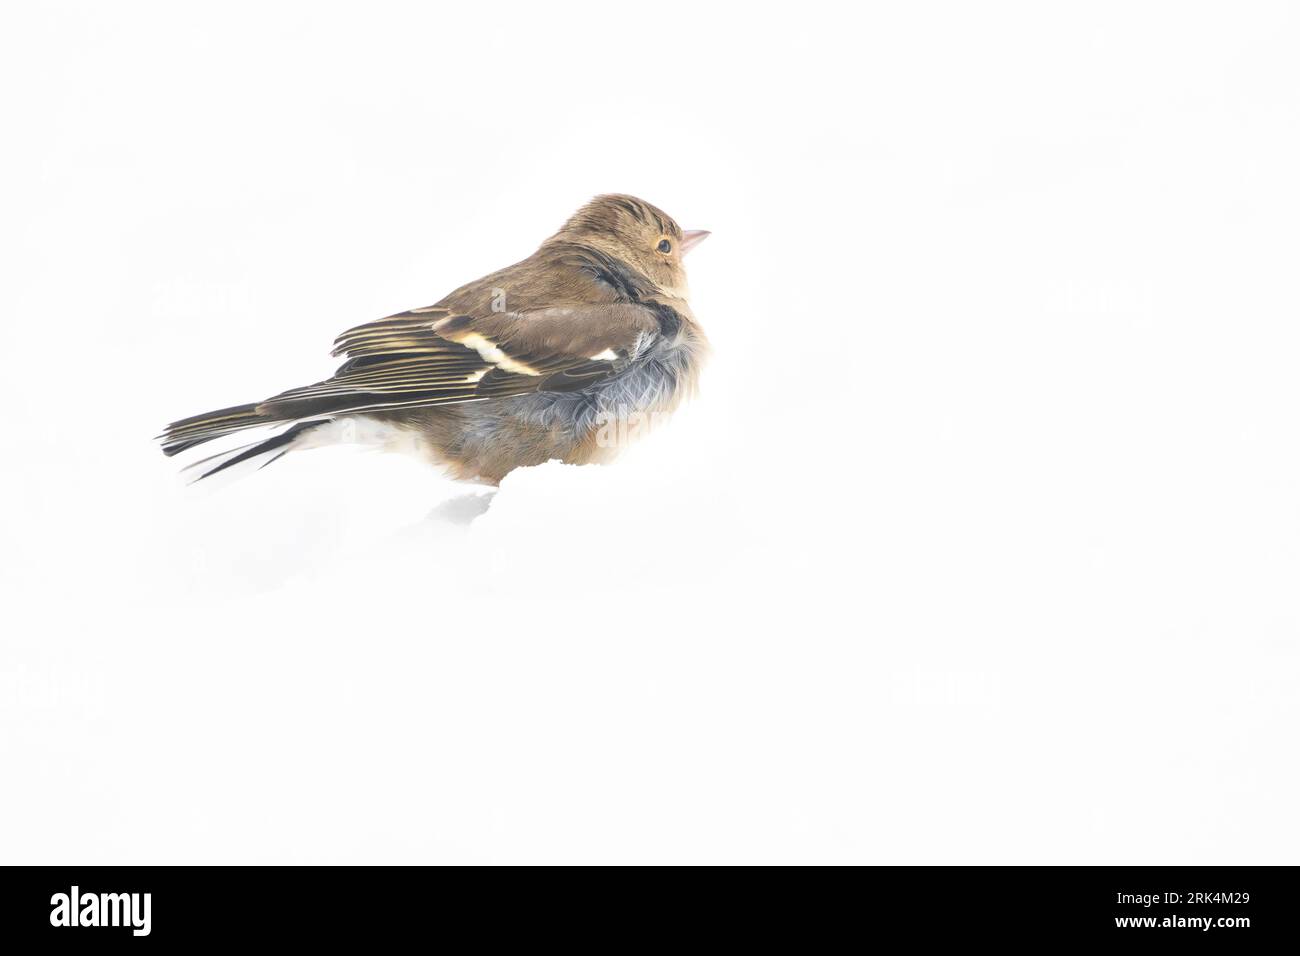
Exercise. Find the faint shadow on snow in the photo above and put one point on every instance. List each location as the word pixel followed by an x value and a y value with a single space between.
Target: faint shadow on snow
pixel 461 510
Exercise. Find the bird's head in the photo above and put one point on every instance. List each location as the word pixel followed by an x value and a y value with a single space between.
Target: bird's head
pixel 639 235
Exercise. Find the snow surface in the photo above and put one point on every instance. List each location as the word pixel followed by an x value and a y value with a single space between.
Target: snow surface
pixel 980 545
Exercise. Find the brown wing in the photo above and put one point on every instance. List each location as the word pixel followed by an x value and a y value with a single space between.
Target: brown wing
pixel 435 356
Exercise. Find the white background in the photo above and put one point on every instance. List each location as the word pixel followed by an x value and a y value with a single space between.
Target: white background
pixel 980 545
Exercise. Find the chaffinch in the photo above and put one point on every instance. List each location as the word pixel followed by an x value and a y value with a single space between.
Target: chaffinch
pixel 559 356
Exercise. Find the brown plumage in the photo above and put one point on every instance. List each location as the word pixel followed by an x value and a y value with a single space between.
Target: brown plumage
pixel 553 357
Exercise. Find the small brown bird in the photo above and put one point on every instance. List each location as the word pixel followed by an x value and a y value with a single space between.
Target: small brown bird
pixel 563 355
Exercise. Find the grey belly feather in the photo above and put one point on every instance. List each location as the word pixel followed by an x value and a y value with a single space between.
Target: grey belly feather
pixel 488 439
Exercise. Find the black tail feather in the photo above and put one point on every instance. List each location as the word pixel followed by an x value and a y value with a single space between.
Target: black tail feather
pixel 281 441
pixel 188 432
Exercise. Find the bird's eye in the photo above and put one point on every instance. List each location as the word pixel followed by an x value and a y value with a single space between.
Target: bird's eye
pixel 664 246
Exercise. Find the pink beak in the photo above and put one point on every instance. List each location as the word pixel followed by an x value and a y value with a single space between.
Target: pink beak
pixel 692 238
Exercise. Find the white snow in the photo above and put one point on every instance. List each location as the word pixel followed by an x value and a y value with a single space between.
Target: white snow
pixel 980 544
